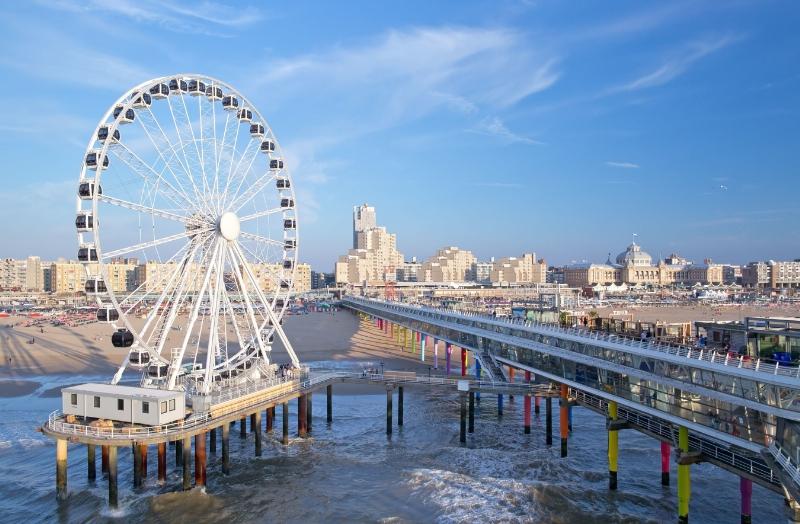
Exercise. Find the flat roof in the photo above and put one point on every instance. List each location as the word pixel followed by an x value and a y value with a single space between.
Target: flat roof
pixel 122 391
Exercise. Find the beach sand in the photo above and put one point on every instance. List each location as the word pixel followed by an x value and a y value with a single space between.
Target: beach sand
pixel 695 312
pixel 338 339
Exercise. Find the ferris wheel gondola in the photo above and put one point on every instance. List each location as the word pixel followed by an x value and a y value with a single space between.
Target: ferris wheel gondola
pixel 195 261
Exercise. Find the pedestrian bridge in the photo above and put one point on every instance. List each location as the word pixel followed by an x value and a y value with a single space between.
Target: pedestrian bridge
pixel 737 410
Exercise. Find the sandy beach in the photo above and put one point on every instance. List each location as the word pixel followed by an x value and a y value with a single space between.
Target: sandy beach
pixel 87 350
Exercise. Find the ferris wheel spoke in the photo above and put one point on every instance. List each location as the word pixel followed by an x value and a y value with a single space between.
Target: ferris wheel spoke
pixel 254 325
pixel 147 210
pixel 166 151
pixel 246 161
pixel 148 174
pixel 228 150
pixel 152 243
pixel 212 351
pixel 260 214
pixel 210 267
pixel 139 294
pixel 185 134
pixel 241 200
pixel 263 240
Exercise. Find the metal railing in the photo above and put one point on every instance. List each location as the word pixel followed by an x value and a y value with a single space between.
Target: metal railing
pixel 742 362
pixel 785 462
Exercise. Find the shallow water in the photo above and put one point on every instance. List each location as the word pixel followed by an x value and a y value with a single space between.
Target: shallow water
pixel 350 472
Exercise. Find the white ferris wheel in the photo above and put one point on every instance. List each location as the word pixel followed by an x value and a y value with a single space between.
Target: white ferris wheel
pixel 187 230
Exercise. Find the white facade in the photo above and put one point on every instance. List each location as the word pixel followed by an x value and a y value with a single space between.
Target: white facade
pixel 132 405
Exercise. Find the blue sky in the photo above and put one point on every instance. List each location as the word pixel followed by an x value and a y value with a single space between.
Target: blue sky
pixel 501 127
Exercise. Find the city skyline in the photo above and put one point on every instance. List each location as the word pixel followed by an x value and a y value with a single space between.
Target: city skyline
pixel 499 128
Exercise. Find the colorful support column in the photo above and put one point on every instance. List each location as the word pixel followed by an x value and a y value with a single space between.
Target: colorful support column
pixel 684 488
pixel 613 447
pixel 162 461
pixel 536 402
pixel 448 351
pixel 144 462
pixel 200 457
pixel 564 419
pixel 499 405
pixel 527 405
pixel 61 469
pixel 435 354
pixel 414 341
pixel 113 491
pixel 270 415
pixel 422 347
pixel 252 422
pixel 212 441
pixel 285 422
pixel 746 490
pixel 665 451
pixel 91 470
pixel 226 449
pixel 569 418
pixel 463 362
pixel 104 460
pixel 511 379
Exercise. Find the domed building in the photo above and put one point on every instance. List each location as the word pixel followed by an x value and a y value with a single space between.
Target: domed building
pixel 634 256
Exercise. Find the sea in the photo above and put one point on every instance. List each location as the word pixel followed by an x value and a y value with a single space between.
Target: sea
pixel 350 471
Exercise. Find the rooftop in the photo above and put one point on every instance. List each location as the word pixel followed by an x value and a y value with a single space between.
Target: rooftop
pixel 122 391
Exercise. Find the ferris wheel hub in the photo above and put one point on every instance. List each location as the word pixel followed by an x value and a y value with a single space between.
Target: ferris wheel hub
pixel 229 226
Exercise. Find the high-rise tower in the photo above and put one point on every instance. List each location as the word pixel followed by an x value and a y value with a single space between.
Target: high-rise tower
pixel 363 220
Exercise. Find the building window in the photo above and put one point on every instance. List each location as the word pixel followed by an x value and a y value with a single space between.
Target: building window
pixel 73 399
pixel 145 407
pixel 172 404
pixel 97 402
pixel 121 404
pixel 164 407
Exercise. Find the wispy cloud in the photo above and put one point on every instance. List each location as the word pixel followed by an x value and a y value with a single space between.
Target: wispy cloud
pixel 202 17
pixel 405 74
pixel 678 64
pixel 624 165
pixel 496 127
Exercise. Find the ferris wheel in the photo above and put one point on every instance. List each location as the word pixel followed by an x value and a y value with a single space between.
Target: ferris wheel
pixel 187 231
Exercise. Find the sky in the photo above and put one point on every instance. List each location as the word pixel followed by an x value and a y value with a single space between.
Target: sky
pixel 502 127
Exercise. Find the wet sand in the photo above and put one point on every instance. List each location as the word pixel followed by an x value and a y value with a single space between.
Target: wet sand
pixel 17 388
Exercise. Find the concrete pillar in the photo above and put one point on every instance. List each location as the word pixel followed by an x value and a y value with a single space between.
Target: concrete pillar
pixel 302 418
pixel 400 406
pixel 564 419
pixel 309 411
pixel 178 453
pixel 746 490
pixel 388 411
pixel 257 433
pixel 665 452
pixel 91 470
pixel 548 408
pixel 113 492
pixel 243 427
pixel 463 435
pixel 435 354
pixel 137 466
pixel 104 460
pixel 285 422
pixel 200 458
pixel 613 448
pixel 448 351
pixel 329 395
pixel 61 469
pixel 226 448
pixel 463 362
pixel 684 487
pixel 162 461
pixel 144 461
pixel 472 412
pixel 527 406
pixel 212 440
pixel 536 402
pixel 499 405
pixel 187 463
pixel 270 415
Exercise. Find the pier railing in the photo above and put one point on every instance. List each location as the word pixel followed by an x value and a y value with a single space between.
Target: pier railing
pixel 531 326
pixel 783 458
